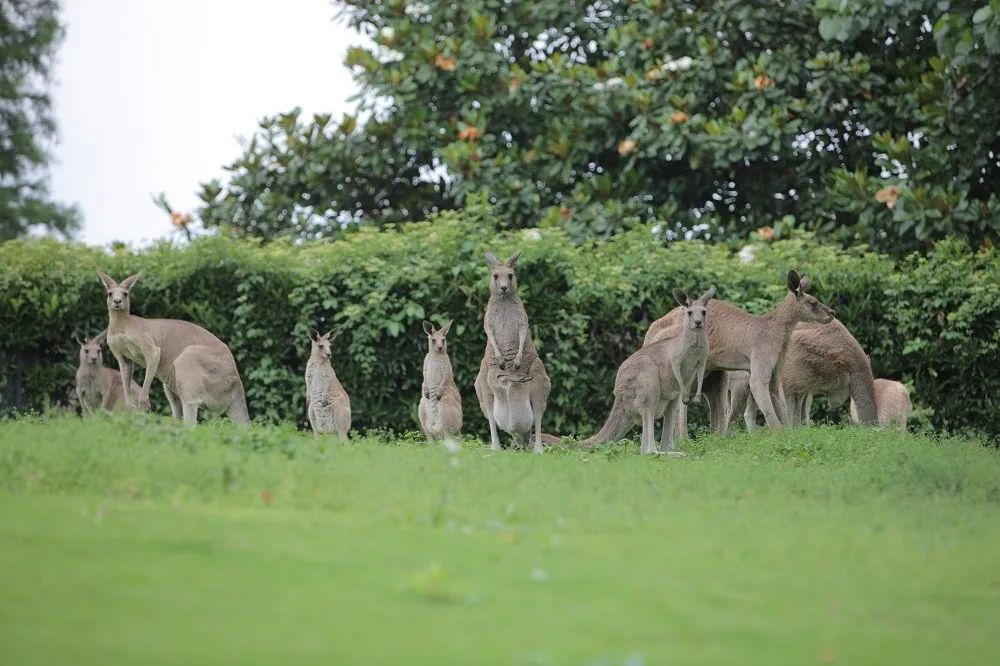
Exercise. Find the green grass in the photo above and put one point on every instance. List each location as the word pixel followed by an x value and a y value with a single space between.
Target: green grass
pixel 131 540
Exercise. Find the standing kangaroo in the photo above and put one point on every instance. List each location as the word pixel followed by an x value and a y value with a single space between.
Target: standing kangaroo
pixel 738 340
pixel 893 400
pixel 658 377
pixel 440 407
pixel 99 387
pixel 328 403
pixel 822 359
pixel 197 369
pixel 512 385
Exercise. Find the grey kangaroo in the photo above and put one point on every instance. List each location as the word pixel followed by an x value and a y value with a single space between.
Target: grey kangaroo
pixel 99 387
pixel 822 359
pixel 197 369
pixel 738 340
pixel 512 386
pixel 328 403
pixel 658 377
pixel 440 408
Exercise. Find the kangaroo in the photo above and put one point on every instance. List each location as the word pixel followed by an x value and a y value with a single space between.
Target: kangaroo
pixel 512 386
pixel 738 340
pixel 658 377
pixel 197 369
pixel 822 359
pixel 329 404
pixel 99 387
pixel 440 407
pixel 893 400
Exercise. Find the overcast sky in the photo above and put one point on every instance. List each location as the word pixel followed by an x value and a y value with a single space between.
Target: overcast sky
pixel 151 96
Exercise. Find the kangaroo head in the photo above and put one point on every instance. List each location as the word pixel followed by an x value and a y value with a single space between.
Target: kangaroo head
pixel 436 341
pixel 695 312
pixel 91 353
pixel 808 308
pixel 502 279
pixel 118 300
pixel 321 343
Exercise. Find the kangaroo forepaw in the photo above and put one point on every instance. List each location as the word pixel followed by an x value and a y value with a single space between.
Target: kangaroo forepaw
pixel 693 400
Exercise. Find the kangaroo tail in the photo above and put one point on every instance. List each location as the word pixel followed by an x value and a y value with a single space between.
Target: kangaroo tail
pixel 861 387
pixel 238 411
pixel 615 427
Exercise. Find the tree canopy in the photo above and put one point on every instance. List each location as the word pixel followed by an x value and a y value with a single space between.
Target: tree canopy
pixel 867 122
pixel 29 35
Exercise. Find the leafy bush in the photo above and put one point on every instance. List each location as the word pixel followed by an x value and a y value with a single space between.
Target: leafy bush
pixel 930 321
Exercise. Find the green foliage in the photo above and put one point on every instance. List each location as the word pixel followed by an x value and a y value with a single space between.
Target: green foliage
pixel 141 530
pixel 595 117
pixel 29 35
pixel 927 321
pixel 948 309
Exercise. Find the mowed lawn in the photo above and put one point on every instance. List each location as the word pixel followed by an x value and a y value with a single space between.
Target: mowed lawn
pixel 133 540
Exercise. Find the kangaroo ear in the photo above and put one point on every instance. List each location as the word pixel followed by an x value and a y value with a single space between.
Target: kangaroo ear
pixel 793 282
pixel 106 279
pixel 681 297
pixel 101 337
pixel 803 284
pixel 428 327
pixel 313 334
pixel 708 295
pixel 130 280
pixel 447 326
pixel 512 260
pixel 491 259
pixel 333 334
pixel 79 338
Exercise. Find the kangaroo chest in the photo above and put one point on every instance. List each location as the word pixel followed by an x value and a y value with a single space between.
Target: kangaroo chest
pixel 505 321
pixel 122 347
pixel 320 379
pixel 437 373
pixel 89 386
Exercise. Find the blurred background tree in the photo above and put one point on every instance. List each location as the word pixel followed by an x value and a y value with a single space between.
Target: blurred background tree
pixel 29 35
pixel 867 122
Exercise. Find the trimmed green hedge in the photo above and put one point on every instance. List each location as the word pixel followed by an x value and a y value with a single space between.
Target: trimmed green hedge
pixel 930 321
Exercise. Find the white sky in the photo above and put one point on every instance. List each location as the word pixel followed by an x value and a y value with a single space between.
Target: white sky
pixel 151 95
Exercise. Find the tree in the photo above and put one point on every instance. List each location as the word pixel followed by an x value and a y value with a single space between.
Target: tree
pixel 868 123
pixel 29 35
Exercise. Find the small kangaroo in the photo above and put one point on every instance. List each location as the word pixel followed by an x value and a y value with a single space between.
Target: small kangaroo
pixel 99 387
pixel 658 377
pixel 328 402
pixel 738 340
pixel 822 359
pixel 440 407
pixel 197 369
pixel 893 400
pixel 512 386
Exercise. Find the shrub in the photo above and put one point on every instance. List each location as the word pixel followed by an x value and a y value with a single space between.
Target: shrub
pixel 929 321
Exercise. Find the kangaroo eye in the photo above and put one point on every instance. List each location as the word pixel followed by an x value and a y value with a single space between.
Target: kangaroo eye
pixel 496 275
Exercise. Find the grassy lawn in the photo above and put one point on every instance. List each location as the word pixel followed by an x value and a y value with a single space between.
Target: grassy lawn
pixel 131 540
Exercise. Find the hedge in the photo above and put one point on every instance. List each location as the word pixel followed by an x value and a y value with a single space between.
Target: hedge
pixel 930 321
